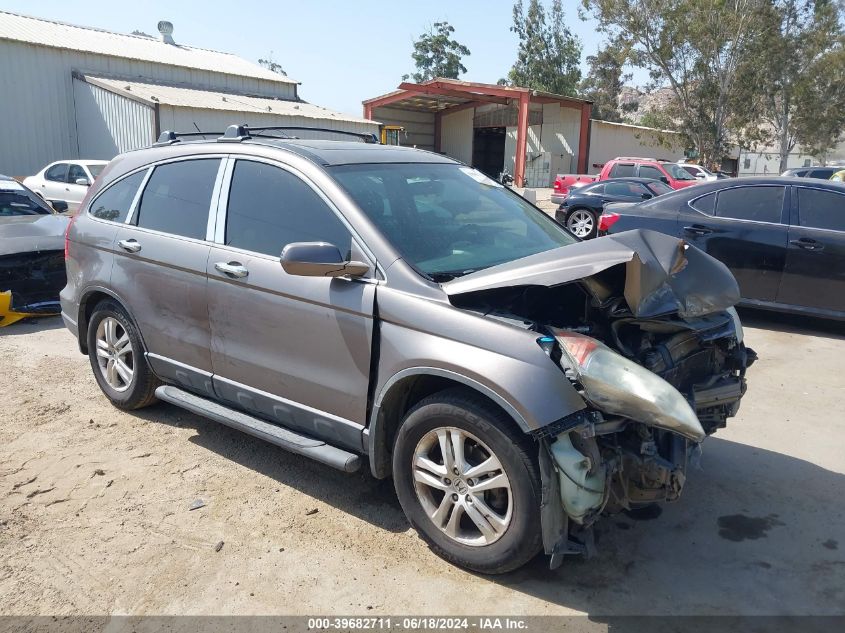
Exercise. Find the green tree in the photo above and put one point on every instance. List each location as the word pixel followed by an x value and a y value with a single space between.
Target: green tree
pixel 697 48
pixel 603 83
pixel 438 54
pixel 272 66
pixel 799 79
pixel 549 54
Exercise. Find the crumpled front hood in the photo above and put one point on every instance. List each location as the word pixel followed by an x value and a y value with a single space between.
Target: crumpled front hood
pixel 663 274
pixel 28 233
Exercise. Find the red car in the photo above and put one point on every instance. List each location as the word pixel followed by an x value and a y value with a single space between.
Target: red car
pixel 670 173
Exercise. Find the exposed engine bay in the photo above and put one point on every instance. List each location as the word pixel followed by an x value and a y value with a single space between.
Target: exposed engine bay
pixel 657 381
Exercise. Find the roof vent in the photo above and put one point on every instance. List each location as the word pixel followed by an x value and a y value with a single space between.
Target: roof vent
pixel 166 30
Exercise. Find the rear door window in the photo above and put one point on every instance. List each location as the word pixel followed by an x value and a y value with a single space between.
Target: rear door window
pixel 56 173
pixel 821 209
pixel 114 203
pixel 177 198
pixel 756 204
pixel 270 208
pixel 620 170
pixel 647 171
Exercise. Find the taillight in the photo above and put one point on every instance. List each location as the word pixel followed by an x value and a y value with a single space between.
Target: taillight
pixel 67 230
pixel 558 184
pixel 607 220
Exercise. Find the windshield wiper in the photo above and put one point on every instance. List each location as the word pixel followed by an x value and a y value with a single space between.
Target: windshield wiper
pixel 442 276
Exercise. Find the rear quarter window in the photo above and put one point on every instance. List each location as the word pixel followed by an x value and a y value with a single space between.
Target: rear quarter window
pixel 705 204
pixel 114 203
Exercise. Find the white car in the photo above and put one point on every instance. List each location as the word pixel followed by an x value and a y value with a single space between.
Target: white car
pixel 66 180
pixel 699 172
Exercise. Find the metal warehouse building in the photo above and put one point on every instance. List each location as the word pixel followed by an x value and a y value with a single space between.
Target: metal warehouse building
pixel 530 134
pixel 78 92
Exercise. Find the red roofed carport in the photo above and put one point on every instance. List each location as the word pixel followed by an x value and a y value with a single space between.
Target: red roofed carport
pixel 444 96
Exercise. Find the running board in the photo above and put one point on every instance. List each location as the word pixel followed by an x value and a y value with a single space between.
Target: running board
pixel 284 438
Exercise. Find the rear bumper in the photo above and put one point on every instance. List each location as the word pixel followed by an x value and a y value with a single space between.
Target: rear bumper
pixel 558 198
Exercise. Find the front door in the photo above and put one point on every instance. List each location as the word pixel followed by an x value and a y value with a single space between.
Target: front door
pixel 74 192
pixel 815 262
pixel 292 349
pixel 160 258
pixel 744 228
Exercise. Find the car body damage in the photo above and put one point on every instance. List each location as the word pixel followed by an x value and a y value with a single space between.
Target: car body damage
pixel 32 266
pixel 643 326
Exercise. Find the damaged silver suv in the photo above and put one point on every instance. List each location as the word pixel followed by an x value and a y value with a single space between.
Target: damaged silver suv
pixel 349 301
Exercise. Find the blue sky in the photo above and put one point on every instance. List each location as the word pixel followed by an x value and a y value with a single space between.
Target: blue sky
pixel 342 52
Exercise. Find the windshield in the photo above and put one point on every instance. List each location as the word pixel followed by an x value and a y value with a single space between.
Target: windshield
pixel 660 188
pixel 677 172
pixel 96 169
pixel 449 220
pixel 15 200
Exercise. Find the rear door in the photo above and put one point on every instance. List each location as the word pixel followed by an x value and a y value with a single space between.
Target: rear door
pixel 54 184
pixel 160 268
pixel 744 228
pixel 814 276
pixel 289 348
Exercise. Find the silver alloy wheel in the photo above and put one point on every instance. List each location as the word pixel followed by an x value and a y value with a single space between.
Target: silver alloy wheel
pixel 580 223
pixel 462 486
pixel 114 354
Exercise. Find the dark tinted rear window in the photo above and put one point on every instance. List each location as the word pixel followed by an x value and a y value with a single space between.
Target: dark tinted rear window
pixel 758 204
pixel 57 173
pixel 177 198
pixel 705 204
pixel 113 204
pixel 270 208
pixel 620 170
pixel 821 209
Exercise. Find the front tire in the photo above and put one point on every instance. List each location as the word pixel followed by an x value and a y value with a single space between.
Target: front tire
pixel 117 358
pixel 468 482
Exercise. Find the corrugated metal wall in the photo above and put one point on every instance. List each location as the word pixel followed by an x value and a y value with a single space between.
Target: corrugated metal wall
pixel 419 126
pixel 37 120
pixel 608 140
pixel 108 124
pixel 456 135
pixel 183 120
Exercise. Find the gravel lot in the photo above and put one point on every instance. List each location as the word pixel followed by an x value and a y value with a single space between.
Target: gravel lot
pixel 95 509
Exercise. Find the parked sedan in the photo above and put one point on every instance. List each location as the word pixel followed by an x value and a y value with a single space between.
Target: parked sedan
pixel 580 209
pixel 66 180
pixel 812 172
pixel 782 238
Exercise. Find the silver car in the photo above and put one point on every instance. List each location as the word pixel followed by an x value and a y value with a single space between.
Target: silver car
pixel 355 302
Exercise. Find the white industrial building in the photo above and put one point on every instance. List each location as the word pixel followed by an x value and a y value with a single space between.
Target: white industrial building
pixel 77 92
pixel 530 134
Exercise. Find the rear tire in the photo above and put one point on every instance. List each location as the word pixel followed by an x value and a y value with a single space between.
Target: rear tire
pixel 481 510
pixel 117 358
pixel 582 223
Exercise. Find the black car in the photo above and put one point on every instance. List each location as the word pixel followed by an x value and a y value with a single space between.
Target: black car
pixel 782 238
pixel 581 208
pixel 813 172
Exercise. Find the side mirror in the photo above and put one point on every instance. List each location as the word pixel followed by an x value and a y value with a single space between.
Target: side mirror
pixel 646 196
pixel 59 206
pixel 319 259
pixel 700 176
pixel 664 180
pixel 82 181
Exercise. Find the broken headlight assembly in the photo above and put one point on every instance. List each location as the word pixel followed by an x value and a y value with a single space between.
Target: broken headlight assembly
pixel 618 386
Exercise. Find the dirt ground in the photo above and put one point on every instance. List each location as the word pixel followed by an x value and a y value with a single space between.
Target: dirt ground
pixel 96 518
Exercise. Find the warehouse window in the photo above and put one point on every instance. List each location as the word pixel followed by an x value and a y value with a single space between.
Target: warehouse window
pixel 113 204
pixel 177 198
pixel 270 208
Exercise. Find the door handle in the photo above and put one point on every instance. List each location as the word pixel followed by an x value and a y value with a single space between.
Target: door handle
pixel 131 245
pixel 697 230
pixel 807 244
pixel 233 269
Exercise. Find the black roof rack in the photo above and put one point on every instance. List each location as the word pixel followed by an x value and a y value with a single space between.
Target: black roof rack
pixel 238 133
